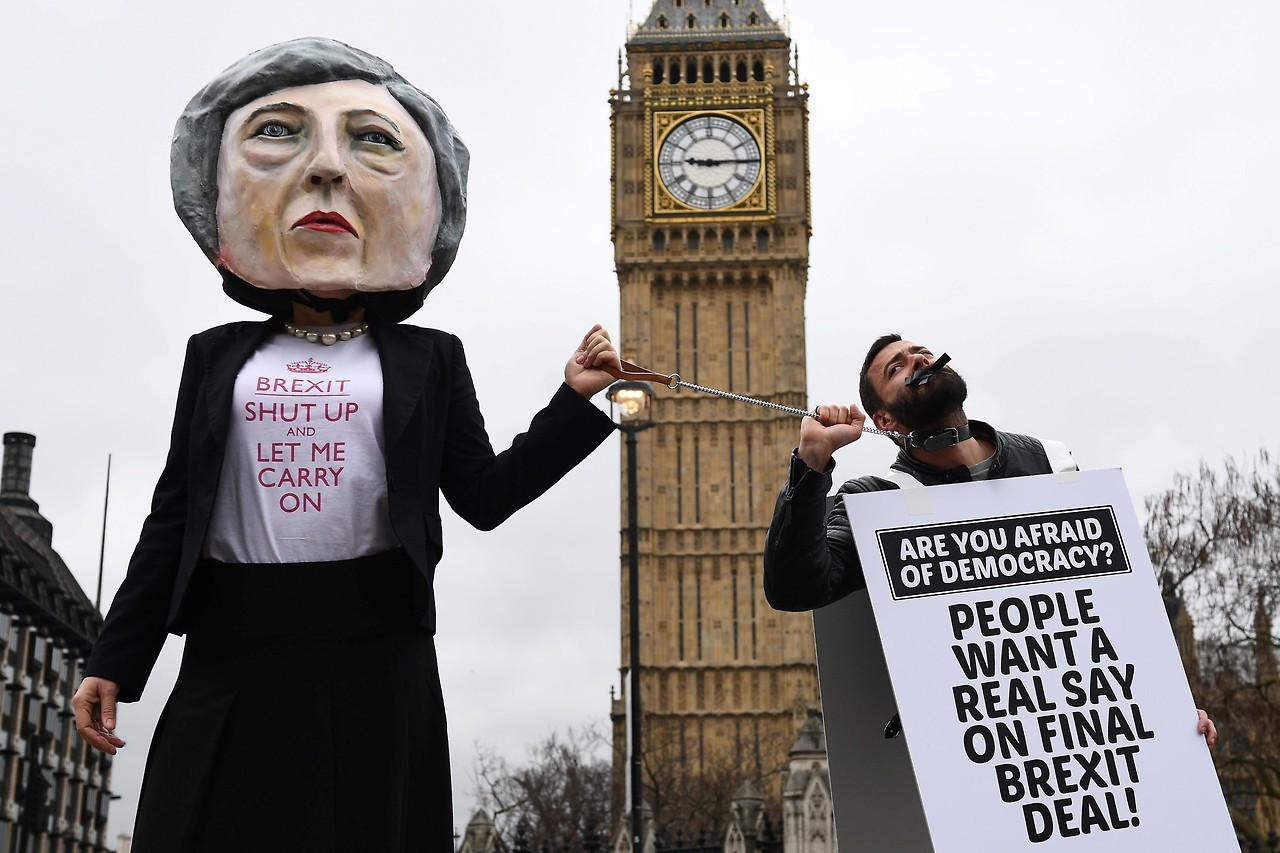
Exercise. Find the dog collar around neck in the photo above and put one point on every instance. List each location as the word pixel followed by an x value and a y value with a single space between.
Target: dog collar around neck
pixel 938 440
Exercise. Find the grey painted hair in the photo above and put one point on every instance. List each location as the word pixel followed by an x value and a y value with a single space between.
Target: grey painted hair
pixel 197 141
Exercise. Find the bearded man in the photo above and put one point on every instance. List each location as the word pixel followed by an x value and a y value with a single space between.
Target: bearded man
pixel 809 558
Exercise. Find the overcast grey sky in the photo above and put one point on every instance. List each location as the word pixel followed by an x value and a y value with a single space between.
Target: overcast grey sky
pixel 1076 200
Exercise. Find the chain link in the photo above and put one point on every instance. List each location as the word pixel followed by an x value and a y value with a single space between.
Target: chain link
pixel 676 382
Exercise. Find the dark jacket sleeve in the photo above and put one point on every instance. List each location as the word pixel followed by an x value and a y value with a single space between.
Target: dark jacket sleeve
pixel 134 630
pixel 485 488
pixel 809 556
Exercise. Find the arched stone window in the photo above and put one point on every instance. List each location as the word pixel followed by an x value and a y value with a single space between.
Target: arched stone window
pixel 726 239
pixel 725 74
pixel 659 241
pixel 757 70
pixel 762 240
pixel 691 69
pixel 693 240
pixel 662 22
pixel 752 20
pixel 691 23
pixel 742 71
pixel 708 72
pixel 659 71
pixel 675 71
pixel 724 20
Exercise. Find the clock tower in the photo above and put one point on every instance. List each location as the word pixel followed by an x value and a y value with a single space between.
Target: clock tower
pixel 711 229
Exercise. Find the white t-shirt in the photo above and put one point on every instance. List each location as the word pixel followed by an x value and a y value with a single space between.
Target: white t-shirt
pixel 304 478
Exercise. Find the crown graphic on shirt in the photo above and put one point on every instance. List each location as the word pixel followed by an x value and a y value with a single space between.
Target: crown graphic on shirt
pixel 308 366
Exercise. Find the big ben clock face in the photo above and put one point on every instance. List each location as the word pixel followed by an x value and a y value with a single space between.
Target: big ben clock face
pixel 709 161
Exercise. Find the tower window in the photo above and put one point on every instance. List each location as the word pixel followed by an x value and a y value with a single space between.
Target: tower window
pixel 694 365
pixel 728 334
pixel 680 609
pixel 724 72
pixel 659 241
pixel 679 4
pixel 662 22
pixel 691 23
pixel 706 3
pixel 753 19
pixel 762 240
pixel 708 74
pixel 692 240
pixel 691 69
pixel 659 71
pixel 675 71
pixel 742 71
pixel 757 70
pixel 737 682
pixel 726 240
pixel 679 467
pixel 697 479
pixel 724 20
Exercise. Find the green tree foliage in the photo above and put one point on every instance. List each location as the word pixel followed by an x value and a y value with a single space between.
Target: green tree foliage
pixel 1214 539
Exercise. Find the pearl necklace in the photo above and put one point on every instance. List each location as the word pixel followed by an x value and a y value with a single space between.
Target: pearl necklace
pixel 326 338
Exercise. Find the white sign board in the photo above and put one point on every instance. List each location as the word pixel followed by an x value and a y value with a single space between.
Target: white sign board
pixel 1042 699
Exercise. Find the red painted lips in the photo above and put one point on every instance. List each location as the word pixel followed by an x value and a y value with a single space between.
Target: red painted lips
pixel 328 222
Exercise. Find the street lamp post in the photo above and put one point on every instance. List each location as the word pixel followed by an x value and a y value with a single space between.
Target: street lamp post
pixel 631 400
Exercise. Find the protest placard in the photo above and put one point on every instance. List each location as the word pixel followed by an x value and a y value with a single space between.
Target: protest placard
pixel 1042 701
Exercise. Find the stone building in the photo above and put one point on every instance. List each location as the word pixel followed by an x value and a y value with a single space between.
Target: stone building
pixel 808 823
pixel 481 835
pixel 711 225
pixel 54 790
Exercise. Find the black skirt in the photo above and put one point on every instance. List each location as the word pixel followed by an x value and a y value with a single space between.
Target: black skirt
pixel 307 716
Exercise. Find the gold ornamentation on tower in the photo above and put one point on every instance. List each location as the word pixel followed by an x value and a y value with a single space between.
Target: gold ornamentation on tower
pixel 711 230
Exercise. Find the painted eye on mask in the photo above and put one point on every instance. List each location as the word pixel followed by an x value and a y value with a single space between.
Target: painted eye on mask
pixel 378 137
pixel 274 130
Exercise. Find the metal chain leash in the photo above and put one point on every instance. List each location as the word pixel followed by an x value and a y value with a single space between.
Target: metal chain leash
pixel 674 382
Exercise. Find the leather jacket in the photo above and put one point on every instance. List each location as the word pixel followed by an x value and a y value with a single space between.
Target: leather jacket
pixel 809 556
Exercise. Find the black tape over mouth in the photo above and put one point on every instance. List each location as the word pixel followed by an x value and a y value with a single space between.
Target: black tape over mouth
pixel 924 374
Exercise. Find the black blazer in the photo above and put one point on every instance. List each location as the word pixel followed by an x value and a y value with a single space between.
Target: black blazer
pixel 435 443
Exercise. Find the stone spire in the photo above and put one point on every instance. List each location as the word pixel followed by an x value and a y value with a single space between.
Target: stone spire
pixel 746 820
pixel 708 20
pixel 481 835
pixel 808 824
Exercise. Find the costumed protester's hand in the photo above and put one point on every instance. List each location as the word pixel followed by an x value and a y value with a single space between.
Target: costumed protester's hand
pixel 95 708
pixel 1206 727
pixel 832 429
pixel 583 373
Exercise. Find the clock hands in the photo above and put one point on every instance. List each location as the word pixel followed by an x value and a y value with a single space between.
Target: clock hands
pixel 707 161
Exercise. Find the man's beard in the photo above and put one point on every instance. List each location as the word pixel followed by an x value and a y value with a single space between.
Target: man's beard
pixel 927 406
